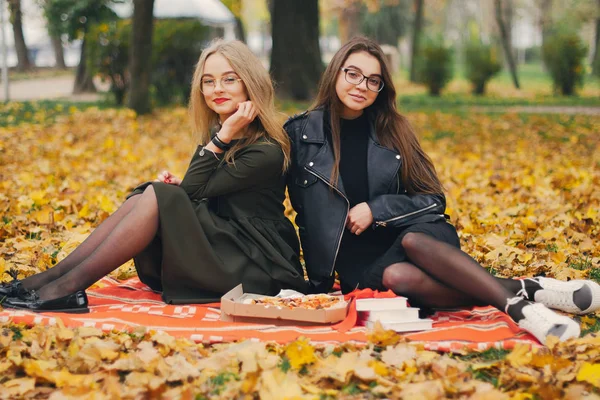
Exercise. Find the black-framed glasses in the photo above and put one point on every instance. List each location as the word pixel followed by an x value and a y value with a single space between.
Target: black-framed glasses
pixel 374 83
pixel 208 85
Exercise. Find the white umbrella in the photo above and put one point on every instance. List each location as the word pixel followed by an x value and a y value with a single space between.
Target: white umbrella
pixel 211 12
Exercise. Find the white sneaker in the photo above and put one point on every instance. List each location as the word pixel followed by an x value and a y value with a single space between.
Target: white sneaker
pixel 559 294
pixel 542 322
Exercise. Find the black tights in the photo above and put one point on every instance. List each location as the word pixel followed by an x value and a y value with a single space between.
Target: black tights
pixel 442 276
pixel 120 237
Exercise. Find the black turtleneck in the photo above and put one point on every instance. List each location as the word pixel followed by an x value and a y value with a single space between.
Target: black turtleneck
pixel 356 253
pixel 354 138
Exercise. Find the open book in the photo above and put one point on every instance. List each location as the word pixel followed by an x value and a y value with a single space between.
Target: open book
pixel 393 313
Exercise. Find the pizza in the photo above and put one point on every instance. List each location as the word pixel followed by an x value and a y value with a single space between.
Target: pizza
pixel 311 302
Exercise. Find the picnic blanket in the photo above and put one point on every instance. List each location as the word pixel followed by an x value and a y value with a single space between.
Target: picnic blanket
pixel 129 304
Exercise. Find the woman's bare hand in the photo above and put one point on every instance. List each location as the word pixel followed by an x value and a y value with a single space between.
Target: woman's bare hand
pixel 359 218
pixel 167 177
pixel 245 114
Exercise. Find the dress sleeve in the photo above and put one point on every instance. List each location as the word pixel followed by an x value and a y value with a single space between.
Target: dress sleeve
pixel 209 175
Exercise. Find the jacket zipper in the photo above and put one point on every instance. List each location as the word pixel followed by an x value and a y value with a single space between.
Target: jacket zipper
pixel 384 223
pixel 347 210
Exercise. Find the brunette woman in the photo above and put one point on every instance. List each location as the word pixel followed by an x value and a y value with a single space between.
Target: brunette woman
pixel 371 207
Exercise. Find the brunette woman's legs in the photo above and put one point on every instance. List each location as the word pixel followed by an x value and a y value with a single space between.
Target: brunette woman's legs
pixel 460 279
pixel 424 290
pixel 413 281
pixel 83 250
pixel 130 236
pixel 453 268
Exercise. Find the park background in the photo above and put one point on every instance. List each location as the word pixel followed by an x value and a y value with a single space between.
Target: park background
pixel 520 163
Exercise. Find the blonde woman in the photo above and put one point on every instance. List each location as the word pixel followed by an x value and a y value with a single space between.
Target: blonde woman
pixel 223 224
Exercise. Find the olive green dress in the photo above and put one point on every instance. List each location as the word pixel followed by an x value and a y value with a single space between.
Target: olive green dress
pixel 223 226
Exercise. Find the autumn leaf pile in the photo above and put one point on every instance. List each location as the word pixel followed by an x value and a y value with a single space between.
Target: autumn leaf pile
pixel 524 192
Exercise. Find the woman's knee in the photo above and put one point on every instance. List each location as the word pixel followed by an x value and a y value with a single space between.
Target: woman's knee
pixel 149 194
pixel 401 277
pixel 412 240
pixel 148 199
pixel 149 191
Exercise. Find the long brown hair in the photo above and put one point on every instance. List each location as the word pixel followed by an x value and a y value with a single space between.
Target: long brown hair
pixel 393 129
pixel 258 84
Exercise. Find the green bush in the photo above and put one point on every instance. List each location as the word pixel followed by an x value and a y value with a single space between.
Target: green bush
pixel 108 55
pixel 482 63
pixel 533 55
pixel 435 66
pixel 564 56
pixel 596 65
pixel 176 46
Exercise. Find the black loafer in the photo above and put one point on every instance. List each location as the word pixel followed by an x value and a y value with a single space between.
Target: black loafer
pixel 12 289
pixel 73 303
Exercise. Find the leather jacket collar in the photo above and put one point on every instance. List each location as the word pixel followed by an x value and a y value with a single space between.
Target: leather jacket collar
pixel 382 163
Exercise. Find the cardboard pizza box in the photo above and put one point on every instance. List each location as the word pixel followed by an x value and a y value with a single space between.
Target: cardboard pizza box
pixel 234 309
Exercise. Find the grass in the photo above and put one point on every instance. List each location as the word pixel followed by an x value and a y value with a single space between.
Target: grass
pixel 38 73
pixel 448 102
pixel 42 111
pixel 492 354
pixel 580 263
pixel 536 90
pixel 595 327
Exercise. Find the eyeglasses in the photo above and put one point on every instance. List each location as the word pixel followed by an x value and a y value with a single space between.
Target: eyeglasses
pixel 374 83
pixel 208 85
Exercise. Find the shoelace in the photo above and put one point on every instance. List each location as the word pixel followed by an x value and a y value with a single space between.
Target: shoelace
pixel 511 302
pixel 523 292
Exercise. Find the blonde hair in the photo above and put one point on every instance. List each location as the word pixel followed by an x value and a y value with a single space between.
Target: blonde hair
pixel 258 84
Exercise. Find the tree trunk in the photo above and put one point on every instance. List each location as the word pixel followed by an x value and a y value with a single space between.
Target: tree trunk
pixel 240 32
pixel 140 53
pixel 296 64
pixel 416 39
pixel 16 17
pixel 349 22
pixel 504 37
pixel 545 18
pixel 83 80
pixel 507 18
pixel 59 54
pixel 596 57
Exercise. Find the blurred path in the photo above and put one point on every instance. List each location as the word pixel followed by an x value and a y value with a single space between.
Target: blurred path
pixel 570 110
pixel 59 87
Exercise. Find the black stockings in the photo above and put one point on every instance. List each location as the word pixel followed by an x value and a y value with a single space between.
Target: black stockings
pixel 441 276
pixel 120 237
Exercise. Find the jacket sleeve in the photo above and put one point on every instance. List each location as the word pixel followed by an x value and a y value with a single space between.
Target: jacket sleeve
pixel 209 175
pixel 395 210
pixel 290 175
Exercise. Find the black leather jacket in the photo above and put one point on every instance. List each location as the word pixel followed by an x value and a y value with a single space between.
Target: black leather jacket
pixel 322 209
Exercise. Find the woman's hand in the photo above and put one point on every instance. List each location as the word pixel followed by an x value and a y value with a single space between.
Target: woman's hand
pixel 167 177
pixel 359 218
pixel 245 114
